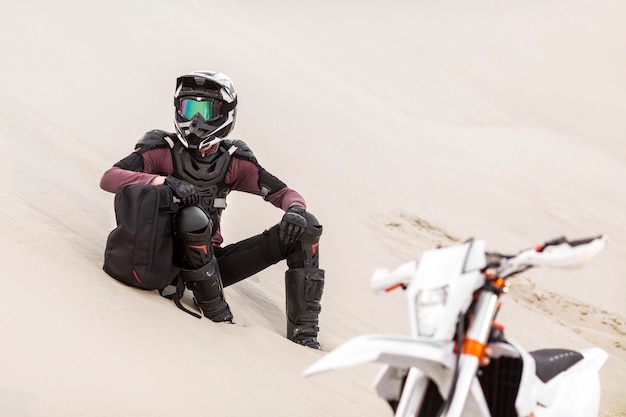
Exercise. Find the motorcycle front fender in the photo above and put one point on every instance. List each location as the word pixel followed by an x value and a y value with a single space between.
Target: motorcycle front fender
pixel 394 350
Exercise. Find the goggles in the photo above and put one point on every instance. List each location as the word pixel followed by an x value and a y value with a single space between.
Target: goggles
pixel 207 108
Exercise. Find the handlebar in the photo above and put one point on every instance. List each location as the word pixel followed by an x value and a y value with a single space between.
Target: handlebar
pixel 560 252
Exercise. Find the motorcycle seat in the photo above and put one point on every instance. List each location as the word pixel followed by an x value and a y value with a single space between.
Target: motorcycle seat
pixel 551 362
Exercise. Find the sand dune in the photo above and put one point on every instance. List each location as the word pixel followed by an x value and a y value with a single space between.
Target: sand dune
pixel 405 126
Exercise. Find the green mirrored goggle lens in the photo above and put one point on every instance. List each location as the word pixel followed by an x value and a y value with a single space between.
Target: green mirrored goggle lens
pixel 207 109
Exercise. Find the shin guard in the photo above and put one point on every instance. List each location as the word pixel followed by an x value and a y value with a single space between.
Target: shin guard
pixel 304 288
pixel 206 285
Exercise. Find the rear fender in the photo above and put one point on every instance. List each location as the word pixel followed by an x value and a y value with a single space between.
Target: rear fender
pixel 577 388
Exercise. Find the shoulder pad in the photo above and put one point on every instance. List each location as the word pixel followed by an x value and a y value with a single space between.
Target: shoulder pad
pixel 239 148
pixel 157 139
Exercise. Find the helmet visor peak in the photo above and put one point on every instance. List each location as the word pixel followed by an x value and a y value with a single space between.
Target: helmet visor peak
pixel 207 108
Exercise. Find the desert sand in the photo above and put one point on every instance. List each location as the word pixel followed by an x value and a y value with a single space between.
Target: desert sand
pixel 405 125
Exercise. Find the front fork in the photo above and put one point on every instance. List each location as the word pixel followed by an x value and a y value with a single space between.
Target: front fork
pixel 413 394
pixel 472 351
pixel 472 354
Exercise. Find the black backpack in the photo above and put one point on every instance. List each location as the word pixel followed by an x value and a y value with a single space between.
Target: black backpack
pixel 140 250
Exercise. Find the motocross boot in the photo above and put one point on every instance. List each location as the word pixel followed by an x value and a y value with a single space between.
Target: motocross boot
pixel 304 288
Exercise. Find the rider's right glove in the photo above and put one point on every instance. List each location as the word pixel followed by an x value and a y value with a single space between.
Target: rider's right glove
pixel 184 191
pixel 292 225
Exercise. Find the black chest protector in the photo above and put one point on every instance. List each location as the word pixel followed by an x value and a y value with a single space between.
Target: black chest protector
pixel 207 174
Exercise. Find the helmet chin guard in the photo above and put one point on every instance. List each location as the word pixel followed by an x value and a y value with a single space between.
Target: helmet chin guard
pixel 201 88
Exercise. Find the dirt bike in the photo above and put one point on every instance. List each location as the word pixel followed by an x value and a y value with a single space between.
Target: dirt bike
pixel 457 361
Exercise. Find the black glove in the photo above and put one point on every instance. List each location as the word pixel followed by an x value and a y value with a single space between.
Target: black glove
pixel 292 226
pixel 183 191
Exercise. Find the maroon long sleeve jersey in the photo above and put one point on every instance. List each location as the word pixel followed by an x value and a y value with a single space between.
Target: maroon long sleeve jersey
pixel 242 175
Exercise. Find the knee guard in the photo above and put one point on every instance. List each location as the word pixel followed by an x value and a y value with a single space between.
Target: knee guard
pixel 192 231
pixel 305 252
pixel 206 284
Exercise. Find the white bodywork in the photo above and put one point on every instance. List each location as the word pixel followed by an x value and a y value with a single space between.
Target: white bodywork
pixel 441 288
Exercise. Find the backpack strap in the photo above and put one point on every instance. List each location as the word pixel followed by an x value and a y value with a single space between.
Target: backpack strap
pixel 177 295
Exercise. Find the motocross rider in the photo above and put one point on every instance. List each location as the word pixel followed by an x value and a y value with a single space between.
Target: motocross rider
pixel 202 167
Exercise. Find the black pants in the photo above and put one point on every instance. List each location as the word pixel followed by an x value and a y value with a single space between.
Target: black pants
pixel 243 259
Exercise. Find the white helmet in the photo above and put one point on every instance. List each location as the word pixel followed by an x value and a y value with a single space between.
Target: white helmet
pixel 206 106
